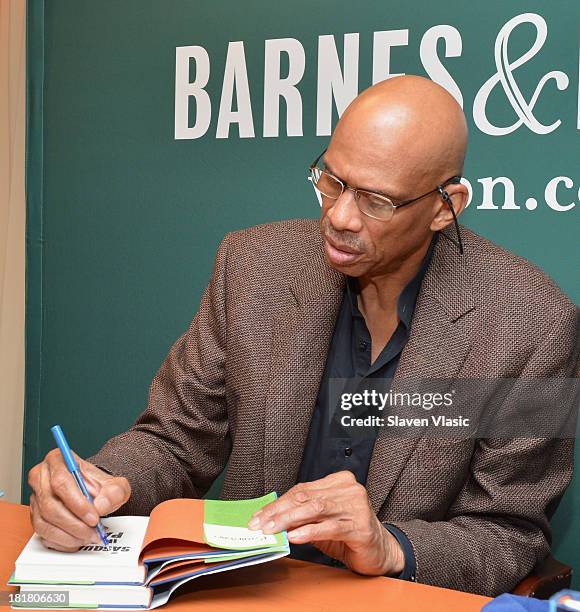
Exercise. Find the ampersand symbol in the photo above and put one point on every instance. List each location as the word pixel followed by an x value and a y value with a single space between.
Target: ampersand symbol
pixel 505 76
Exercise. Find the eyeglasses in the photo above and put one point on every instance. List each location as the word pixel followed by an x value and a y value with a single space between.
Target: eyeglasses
pixel 376 205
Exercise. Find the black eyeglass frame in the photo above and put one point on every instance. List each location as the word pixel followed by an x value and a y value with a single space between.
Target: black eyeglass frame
pixel 454 180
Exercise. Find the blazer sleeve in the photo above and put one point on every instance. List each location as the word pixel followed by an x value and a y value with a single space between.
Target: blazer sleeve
pixel 180 443
pixel 497 528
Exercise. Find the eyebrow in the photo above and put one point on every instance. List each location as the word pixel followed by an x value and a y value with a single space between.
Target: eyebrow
pixel 379 191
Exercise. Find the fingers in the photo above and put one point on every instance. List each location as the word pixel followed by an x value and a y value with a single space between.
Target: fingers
pixel 337 495
pixel 335 481
pixel 53 512
pixel 291 514
pixel 92 475
pixel 335 514
pixel 333 529
pixel 114 492
pixel 109 492
pixel 60 514
pixel 92 487
pixel 53 536
pixel 60 483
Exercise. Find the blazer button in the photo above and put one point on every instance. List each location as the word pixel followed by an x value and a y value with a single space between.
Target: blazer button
pixel 347 451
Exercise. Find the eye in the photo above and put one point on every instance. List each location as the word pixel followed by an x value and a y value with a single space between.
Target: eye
pixel 375 201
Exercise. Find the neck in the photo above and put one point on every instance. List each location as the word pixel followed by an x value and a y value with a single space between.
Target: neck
pixel 380 292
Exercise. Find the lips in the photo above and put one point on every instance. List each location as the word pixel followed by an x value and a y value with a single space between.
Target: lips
pixel 340 255
pixel 340 247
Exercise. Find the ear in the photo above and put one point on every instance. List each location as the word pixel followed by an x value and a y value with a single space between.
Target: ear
pixel 458 195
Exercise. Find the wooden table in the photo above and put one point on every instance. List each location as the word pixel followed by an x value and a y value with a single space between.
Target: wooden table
pixel 283 585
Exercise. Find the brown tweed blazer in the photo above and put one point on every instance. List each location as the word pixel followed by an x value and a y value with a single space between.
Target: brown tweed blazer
pixel 239 386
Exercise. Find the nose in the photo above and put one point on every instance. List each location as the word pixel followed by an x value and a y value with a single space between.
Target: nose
pixel 343 213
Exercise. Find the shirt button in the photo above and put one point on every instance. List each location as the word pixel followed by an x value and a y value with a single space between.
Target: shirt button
pixel 363 344
pixel 347 451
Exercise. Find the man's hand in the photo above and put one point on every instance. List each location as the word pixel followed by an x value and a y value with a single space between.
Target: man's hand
pixel 334 514
pixel 61 515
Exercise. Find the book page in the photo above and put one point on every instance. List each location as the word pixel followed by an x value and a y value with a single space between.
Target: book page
pixel 226 524
pixel 91 562
pixel 187 526
pixel 173 520
pixel 233 538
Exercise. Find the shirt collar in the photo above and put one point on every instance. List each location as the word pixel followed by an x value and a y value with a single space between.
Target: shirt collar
pixel 407 299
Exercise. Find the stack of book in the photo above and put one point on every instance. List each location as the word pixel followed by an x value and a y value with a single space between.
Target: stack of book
pixel 149 557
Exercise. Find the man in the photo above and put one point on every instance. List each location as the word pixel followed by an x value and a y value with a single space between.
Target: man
pixel 380 289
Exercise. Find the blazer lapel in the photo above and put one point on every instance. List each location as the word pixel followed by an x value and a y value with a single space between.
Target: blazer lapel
pixel 437 347
pixel 301 338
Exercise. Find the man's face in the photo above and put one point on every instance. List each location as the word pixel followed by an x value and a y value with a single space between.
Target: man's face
pixel 356 244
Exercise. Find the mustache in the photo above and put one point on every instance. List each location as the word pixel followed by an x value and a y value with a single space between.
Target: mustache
pixel 347 239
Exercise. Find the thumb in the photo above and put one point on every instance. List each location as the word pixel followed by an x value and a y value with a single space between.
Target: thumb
pixel 114 492
pixel 93 486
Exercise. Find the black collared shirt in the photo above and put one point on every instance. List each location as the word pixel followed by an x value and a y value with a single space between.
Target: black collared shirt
pixel 330 447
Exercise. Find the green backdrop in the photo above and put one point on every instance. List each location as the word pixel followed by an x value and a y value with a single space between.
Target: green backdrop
pixel 124 218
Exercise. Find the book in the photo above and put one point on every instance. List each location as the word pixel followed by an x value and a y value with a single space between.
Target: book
pixel 149 557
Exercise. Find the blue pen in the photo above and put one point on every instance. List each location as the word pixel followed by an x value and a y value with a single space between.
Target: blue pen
pixel 73 468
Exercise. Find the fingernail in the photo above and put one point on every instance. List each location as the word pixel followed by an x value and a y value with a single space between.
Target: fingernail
pixel 254 523
pixel 269 526
pixel 91 518
pixel 295 535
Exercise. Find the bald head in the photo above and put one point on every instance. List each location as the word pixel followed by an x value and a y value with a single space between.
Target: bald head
pixel 410 126
pixel 401 139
